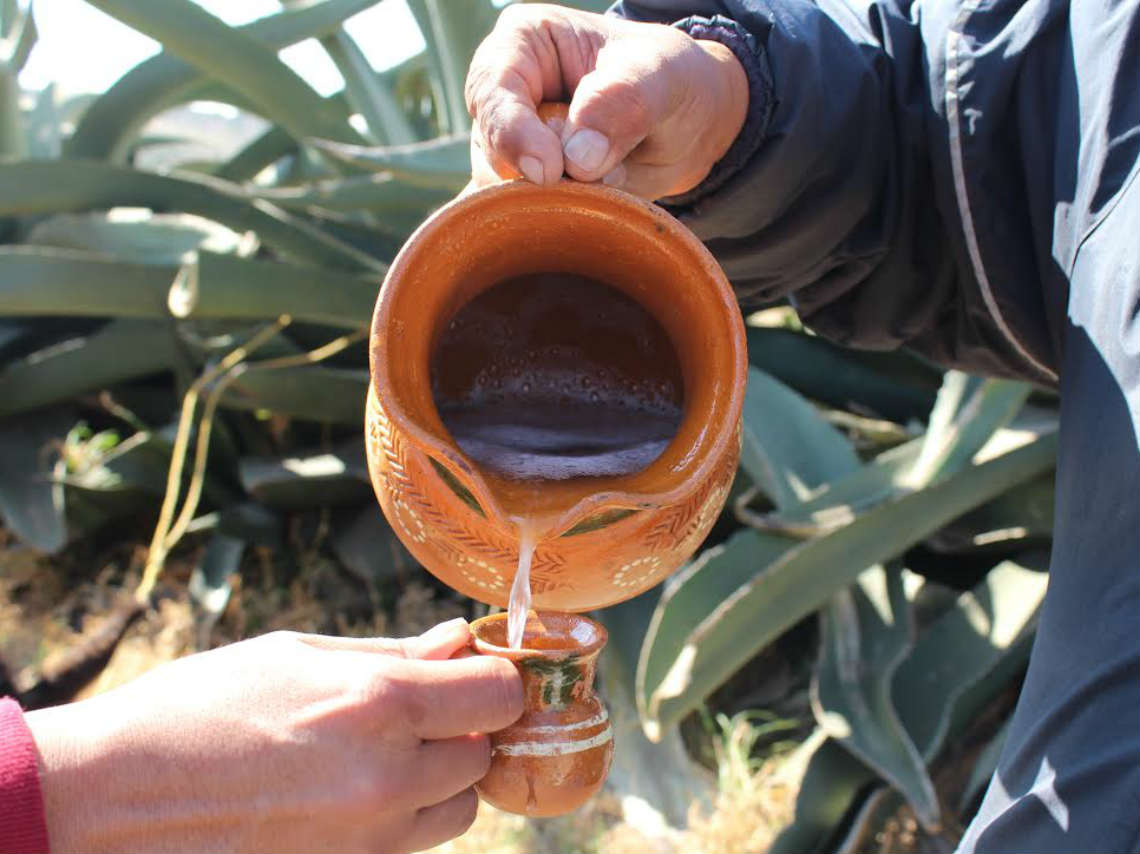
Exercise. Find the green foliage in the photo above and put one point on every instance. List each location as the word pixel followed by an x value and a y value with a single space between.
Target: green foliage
pixel 834 543
pixel 122 285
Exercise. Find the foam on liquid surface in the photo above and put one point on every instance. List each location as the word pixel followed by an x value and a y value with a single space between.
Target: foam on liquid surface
pixel 553 376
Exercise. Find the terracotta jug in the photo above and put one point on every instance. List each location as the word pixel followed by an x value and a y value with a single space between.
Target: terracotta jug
pixel 557 755
pixel 605 539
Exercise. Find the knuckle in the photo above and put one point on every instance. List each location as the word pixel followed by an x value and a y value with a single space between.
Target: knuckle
pixel 404 701
pixel 629 100
pixel 475 89
pixel 515 16
pixel 505 687
pixel 500 132
pixel 384 695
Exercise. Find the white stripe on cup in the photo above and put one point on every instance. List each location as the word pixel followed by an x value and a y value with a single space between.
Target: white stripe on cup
pixel 554 748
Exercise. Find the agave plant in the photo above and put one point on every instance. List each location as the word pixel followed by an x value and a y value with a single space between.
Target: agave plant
pixel 190 311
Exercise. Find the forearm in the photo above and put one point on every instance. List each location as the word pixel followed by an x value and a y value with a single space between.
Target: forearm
pixel 730 89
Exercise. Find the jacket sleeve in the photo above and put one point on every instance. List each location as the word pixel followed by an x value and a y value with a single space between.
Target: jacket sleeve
pixel 828 197
pixel 23 825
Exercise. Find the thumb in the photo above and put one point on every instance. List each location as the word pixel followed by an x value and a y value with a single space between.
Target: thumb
pixel 614 108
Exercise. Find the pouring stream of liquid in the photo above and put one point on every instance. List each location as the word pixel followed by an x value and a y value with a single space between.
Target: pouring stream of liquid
pixel 519 605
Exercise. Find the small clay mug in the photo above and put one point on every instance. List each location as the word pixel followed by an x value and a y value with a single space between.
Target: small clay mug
pixel 553 758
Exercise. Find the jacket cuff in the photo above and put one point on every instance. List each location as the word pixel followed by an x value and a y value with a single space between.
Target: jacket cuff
pixel 23 824
pixel 761 102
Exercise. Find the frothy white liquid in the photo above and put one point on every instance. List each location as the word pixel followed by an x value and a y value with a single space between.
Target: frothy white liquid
pixel 519 605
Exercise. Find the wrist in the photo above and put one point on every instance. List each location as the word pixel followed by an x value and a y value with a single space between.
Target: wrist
pixel 758 102
pixel 730 96
pixel 75 774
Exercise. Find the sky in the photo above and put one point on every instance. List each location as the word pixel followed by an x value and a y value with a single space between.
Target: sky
pixel 81 49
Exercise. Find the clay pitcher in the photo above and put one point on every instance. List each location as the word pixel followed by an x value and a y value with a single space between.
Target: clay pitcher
pixel 557 755
pixel 602 539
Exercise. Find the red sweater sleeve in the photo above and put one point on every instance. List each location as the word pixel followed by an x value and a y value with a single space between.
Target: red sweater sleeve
pixel 23 825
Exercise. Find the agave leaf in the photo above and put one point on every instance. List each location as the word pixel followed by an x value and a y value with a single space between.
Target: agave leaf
pixel 211 582
pixel 165 80
pixel 840 500
pixel 313 393
pixel 971 414
pixel 367 547
pixel 460 28
pixel 441 164
pixel 237 59
pixel 898 386
pixel 866 629
pixel 787 447
pixel 867 634
pixel 1023 513
pixel 38 280
pixel 275 144
pixel 16 43
pixel 369 93
pixel 141 462
pixel 382 193
pixel 9 13
pixel 138 464
pixel 18 39
pixel 697 590
pixel 252 522
pixel 43 125
pixel 224 286
pixel 968 655
pixel 966 414
pixel 31 187
pixel 829 786
pixel 807 574
pixel 308 479
pixel 121 350
pixel 31 505
pixel 12 333
pixel 452 29
pixel 864 831
pixel 261 152
pixel 12 138
pixel 124 481
pixel 155 239
pixel 985 765
pixel 659 775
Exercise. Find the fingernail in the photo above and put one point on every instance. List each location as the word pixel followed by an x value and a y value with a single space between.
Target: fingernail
pixel 615 177
pixel 587 149
pixel 531 167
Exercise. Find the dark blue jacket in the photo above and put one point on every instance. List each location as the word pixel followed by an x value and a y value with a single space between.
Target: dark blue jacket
pixel 901 168
pixel 960 176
